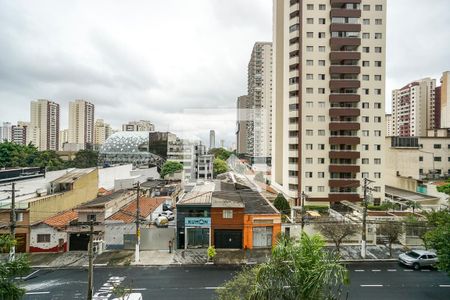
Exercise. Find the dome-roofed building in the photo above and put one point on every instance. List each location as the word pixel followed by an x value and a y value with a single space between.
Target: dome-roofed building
pixel 131 147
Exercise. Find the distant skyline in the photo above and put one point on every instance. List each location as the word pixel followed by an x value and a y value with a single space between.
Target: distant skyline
pixel 179 64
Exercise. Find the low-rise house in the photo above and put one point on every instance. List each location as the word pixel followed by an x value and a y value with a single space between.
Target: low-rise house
pixel 123 221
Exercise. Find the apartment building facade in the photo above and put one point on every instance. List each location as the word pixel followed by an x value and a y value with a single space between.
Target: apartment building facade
pixel 244 124
pixel 44 125
pixel 102 132
pixel 142 125
pixel 328 98
pixel 413 108
pixel 19 133
pixel 81 123
pixel 443 100
pixel 6 132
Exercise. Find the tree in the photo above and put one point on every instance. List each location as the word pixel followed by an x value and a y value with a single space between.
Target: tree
pixel 220 166
pixel 170 167
pixel 414 205
pixel 10 270
pixel 438 237
pixel 50 160
pixel 220 153
pixel 297 270
pixel 391 231
pixel 85 159
pixel 282 204
pixel 444 188
pixel 336 230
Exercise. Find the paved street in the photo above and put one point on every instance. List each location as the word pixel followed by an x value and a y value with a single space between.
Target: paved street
pixel 368 281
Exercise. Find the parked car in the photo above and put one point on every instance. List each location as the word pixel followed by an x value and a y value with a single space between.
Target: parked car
pixel 167 207
pixel 418 259
pixel 162 221
pixel 168 214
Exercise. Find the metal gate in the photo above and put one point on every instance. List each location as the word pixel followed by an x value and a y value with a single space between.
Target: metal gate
pixel 228 239
pixel 78 242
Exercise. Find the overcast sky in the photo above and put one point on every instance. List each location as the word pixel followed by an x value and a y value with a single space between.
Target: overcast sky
pixel 178 63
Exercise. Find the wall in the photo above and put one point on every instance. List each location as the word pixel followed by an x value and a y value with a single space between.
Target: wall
pixel 218 222
pixel 114 232
pixel 85 189
pixel 22 227
pixel 55 235
pixel 273 221
pixel 107 176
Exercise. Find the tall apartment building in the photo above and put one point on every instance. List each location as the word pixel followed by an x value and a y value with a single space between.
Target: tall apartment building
pixel 413 108
pixel 44 125
pixel 328 98
pixel 19 133
pixel 6 132
pixel 260 94
pixel 63 139
pixel 244 124
pixel 444 100
pixel 81 123
pixel 389 127
pixel 141 125
pixel 102 131
pixel 212 139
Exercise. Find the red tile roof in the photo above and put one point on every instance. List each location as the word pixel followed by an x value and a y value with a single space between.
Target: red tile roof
pixel 147 206
pixel 61 219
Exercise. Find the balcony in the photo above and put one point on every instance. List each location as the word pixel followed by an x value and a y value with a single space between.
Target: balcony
pixel 337 42
pixel 342 2
pixel 344 98
pixel 344 112
pixel 345 69
pixel 337 197
pixel 344 126
pixel 344 83
pixel 344 154
pixel 343 55
pixel 342 12
pixel 345 27
pixel 348 183
pixel 344 168
pixel 344 140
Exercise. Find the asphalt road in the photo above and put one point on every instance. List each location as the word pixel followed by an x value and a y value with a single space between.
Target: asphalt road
pixel 368 281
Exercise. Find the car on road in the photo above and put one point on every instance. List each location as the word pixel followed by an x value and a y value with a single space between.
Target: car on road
pixel 418 259
pixel 162 221
pixel 168 214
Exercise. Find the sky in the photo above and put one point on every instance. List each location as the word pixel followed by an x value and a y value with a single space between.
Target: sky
pixel 180 64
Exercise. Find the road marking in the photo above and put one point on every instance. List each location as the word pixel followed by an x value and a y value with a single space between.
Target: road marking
pixel 392 270
pixel 28 276
pixel 359 270
pixel 444 285
pixel 139 289
pixel 425 270
pixel 407 270
pixel 37 293
pixel 371 285
pixel 376 270
pixel 214 287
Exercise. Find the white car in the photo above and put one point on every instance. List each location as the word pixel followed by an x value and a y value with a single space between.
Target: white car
pixel 162 221
pixel 168 214
pixel 418 259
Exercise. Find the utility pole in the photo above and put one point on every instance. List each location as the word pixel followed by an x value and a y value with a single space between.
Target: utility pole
pixel 90 290
pixel 364 222
pixel 13 219
pixel 138 229
pixel 302 210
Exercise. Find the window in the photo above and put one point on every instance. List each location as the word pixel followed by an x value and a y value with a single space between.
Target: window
pixel 309 21
pixel 309 90
pixel 321 35
pixel 43 238
pixel 437 146
pixel 309 119
pixel 365 119
pixel 377 132
pixel 293 80
pixel 321 63
pixel 293 146
pixel 377 189
pixel 321 146
pixel 365 132
pixel 309 62
pixel 366 35
pixel 309 76
pixel 321 118
pixel 366 49
pixel 365 77
pixel 378 22
pixel 91 217
pixel 308 174
pixel 365 105
pixel 420 158
pixel 377 161
pixel 309 146
pixel 377 119
pixel 309 161
pixel 321 104
pixel 377 175
pixel 321 132
pixel 365 147
pixel 293 173
pixel 322 21
pixel 365 161
pixel 310 6
pixel 19 217
pixel 309 48
pixel 321 91
pixel 378 50
pixel 309 104
pixel 293 160
pixel 379 7
pixel 377 63
pixel 437 158
pixel 377 91
pixel 321 174
pixel 294 27
pixel 378 147
pixel 308 188
pixel 366 21
pixel 321 48
pixel 227 214
pixel 322 7
pixel 321 189
pixel 366 91
pixel 366 7
pixel 377 105
pixel 309 34
pixel 321 161
pixel 377 77
pixel 309 132
pixel 321 76
pixel 366 63
pixel 365 175
pixel 378 36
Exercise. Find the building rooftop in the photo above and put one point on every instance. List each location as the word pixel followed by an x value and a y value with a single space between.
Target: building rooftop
pixel 61 219
pixel 407 195
pixel 127 214
pixel 72 176
pixel 102 200
pixel 199 195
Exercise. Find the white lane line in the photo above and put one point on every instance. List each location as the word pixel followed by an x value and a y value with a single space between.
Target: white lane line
pixel 359 270
pixel 444 285
pixel 37 293
pixel 140 289
pixel 376 270
pixel 214 287
pixel 28 276
pixel 407 270
pixel 371 285
pixel 425 270
pixel 392 270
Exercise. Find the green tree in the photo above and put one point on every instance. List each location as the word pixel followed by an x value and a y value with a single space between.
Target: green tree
pixel 297 270
pixel 170 167
pixel 438 237
pixel 391 231
pixel 281 204
pixel 220 166
pixel 444 188
pixel 9 271
pixel 220 153
pixel 48 159
pixel 85 159
pixel 414 205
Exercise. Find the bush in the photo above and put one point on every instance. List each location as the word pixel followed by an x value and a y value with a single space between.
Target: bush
pixel 282 204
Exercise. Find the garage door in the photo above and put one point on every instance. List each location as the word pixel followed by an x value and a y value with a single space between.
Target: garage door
pixel 78 242
pixel 229 239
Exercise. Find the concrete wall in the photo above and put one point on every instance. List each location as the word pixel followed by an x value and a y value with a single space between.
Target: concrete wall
pixel 53 245
pixel 85 189
pixel 107 176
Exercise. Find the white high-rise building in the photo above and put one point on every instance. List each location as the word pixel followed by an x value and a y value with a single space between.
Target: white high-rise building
pixel 389 127
pixel 444 100
pixel 212 139
pixel 81 123
pixel 244 124
pixel 44 125
pixel 102 132
pixel 6 132
pixel 260 94
pixel 328 98
pixel 413 108
pixel 20 132
pixel 63 138
pixel 142 125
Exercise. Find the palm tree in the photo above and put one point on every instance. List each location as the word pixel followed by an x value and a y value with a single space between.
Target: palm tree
pixel 414 205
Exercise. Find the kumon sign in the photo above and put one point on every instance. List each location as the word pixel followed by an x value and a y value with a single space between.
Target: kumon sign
pixel 197 222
